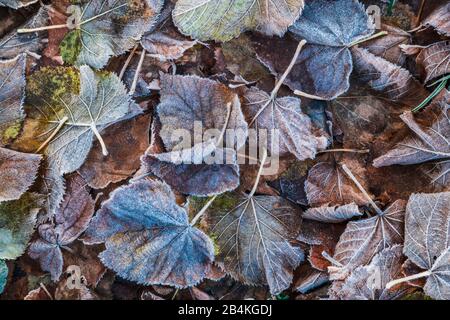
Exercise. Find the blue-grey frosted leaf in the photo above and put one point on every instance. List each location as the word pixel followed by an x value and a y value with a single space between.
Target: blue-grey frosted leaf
pixel 111 27
pixel 187 101
pixel 53 186
pixel 13 43
pixel 12 95
pixel 369 282
pixel 427 244
pixel 17 172
pixel 3 275
pixel 148 237
pixel 70 221
pixel 16 4
pixel 284 117
pixel 333 214
pixel 182 171
pixel 254 237
pixel 17 221
pixel 222 20
pixel 103 100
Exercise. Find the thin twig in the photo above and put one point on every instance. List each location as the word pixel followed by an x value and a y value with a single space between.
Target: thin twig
pixel 127 62
pixel 136 75
pixel 344 150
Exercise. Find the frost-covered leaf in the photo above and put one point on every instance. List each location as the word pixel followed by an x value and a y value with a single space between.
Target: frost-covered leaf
pixel 148 237
pixel 427 241
pixel 13 43
pixel 330 28
pixel 16 4
pixel 189 102
pixel 333 214
pixel 327 184
pixel 435 60
pixel 203 170
pixel 288 129
pixel 71 220
pixel 427 144
pixel 12 95
pixel 3 275
pixel 439 19
pixel 52 186
pixel 108 28
pixel 254 235
pixel 365 238
pixel 17 221
pixel 222 20
pixel 369 282
pixel 17 173
pixel 99 171
pixel 103 100
pixel 387 79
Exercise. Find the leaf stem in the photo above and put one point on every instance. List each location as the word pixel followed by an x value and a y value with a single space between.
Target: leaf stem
pixel 202 211
pixel 224 129
pixel 261 167
pixel 374 36
pixel 54 133
pixel 392 283
pixel 100 139
pixel 309 96
pixel 344 150
pixel 127 62
pixel 332 260
pixel 136 74
pixel 360 187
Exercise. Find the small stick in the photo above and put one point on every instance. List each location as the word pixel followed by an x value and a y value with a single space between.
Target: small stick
pixel 261 167
pixel 344 150
pixel 100 139
pixel 55 132
pixel 309 96
pixel 45 290
pixel 424 274
pixel 330 259
pixel 360 187
pixel 376 35
pixel 203 210
pixel 127 62
pixel 136 75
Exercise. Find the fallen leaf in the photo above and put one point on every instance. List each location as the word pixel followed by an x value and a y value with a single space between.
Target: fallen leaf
pixel 332 214
pixel 223 20
pixel 439 19
pixel 435 60
pixel 16 4
pixel 17 173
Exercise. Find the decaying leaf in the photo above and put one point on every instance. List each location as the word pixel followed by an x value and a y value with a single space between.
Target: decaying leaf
pixel 254 235
pixel 71 220
pixel 435 60
pixel 365 238
pixel 12 94
pixel 439 19
pixel 332 214
pixel 17 172
pixel 148 237
pixel 3 275
pixel 223 20
pixel 369 282
pixel 16 4
pixel 17 221
pixel 99 171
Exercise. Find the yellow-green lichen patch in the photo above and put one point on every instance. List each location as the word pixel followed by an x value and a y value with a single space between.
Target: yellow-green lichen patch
pixel 11 132
pixel 70 47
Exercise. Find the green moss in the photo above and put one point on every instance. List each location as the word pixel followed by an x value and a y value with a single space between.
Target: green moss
pixel 70 47
pixel 417 295
pixel 11 132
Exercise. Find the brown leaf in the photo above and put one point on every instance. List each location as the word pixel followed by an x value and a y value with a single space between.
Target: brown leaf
pixel 435 60
pixel 439 19
pixel 332 214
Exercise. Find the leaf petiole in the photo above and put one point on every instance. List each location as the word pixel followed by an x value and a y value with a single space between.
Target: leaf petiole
pixel 374 36
pixel 344 150
pixel 202 211
pixel 258 177
pixel 100 139
pixel 392 283
pixel 54 133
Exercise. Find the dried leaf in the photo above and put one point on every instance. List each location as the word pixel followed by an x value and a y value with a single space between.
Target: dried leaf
pixel 223 20
pixel 253 234
pixel 17 220
pixel 16 4
pixel 332 214
pixel 439 19
pixel 12 93
pixel 71 220
pixel 17 173
pixel 148 237
pixel 435 60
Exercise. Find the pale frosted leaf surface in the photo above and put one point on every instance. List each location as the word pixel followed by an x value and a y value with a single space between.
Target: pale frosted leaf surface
pixel 52 186
pixel 3 275
pixel 363 239
pixel 103 100
pixel 71 220
pixel 389 80
pixel 439 19
pixel 111 27
pixel 369 282
pixel 13 43
pixel 17 173
pixel 332 214
pixel 435 60
pixel 127 141
pixel 17 221
pixel 284 117
pixel 12 95
pixel 223 20
pixel 190 100
pixel 196 171
pixel 254 236
pixel 427 244
pixel 16 4
pixel 148 237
